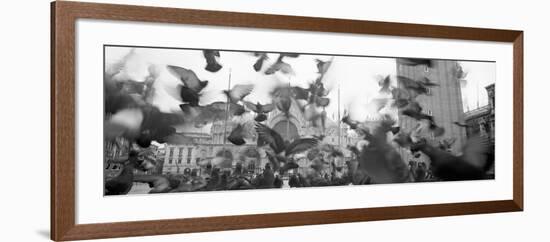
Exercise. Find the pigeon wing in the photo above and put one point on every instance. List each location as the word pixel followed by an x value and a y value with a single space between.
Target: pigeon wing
pixel 238 92
pixel 267 108
pixel 301 145
pixel 270 137
pixel 188 77
pixel 251 106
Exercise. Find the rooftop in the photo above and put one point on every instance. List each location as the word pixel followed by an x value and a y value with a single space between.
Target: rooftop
pixel 477 112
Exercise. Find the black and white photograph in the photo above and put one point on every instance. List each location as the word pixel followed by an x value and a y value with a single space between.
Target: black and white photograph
pixel 191 120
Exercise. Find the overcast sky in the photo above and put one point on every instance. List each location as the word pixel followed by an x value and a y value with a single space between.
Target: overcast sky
pixel 357 77
pixel 479 75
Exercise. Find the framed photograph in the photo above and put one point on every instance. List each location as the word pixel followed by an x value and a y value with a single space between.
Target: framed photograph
pixel 172 120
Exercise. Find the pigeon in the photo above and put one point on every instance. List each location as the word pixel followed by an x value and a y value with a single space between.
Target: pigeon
pixel 380 159
pixel 236 136
pixel 418 115
pixel 415 87
pixel 259 63
pixel 282 99
pixel 281 66
pixel 317 89
pixel 322 66
pixel 281 149
pixel 212 64
pixel 124 94
pixel 427 82
pixel 289 165
pixel 260 110
pixel 414 62
pixel 122 184
pixel 157 125
pixel 203 115
pixel 124 123
pixel 238 92
pixel 414 111
pixel 190 92
pixel 468 166
pixel 384 84
pixel 401 97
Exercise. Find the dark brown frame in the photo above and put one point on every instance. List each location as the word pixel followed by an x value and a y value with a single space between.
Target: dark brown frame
pixel 63 17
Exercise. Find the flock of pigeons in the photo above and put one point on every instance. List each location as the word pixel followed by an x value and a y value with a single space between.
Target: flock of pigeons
pixel 130 114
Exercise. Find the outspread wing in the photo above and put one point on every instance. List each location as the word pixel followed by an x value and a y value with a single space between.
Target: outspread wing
pixel 251 106
pixel 408 82
pixel 301 145
pixel 270 137
pixel 280 66
pixel 414 61
pixel 427 82
pixel 267 108
pixel 238 92
pixel 188 77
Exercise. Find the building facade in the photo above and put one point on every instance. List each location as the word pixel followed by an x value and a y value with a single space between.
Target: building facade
pixel 188 153
pixel 197 149
pixel 482 120
pixel 443 102
pixel 119 148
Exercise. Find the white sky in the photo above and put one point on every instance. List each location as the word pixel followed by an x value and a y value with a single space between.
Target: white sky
pixel 480 75
pixel 357 77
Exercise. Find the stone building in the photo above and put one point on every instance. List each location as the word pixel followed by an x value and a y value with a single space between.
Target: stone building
pixel 482 120
pixel 443 102
pixel 186 152
pixel 197 149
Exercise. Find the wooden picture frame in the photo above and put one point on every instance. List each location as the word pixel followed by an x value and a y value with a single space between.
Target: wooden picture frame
pixel 63 18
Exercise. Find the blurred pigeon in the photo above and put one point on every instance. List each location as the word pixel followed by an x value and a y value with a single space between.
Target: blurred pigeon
pixel 468 166
pixel 238 92
pixel 190 92
pixel 260 110
pixel 212 64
